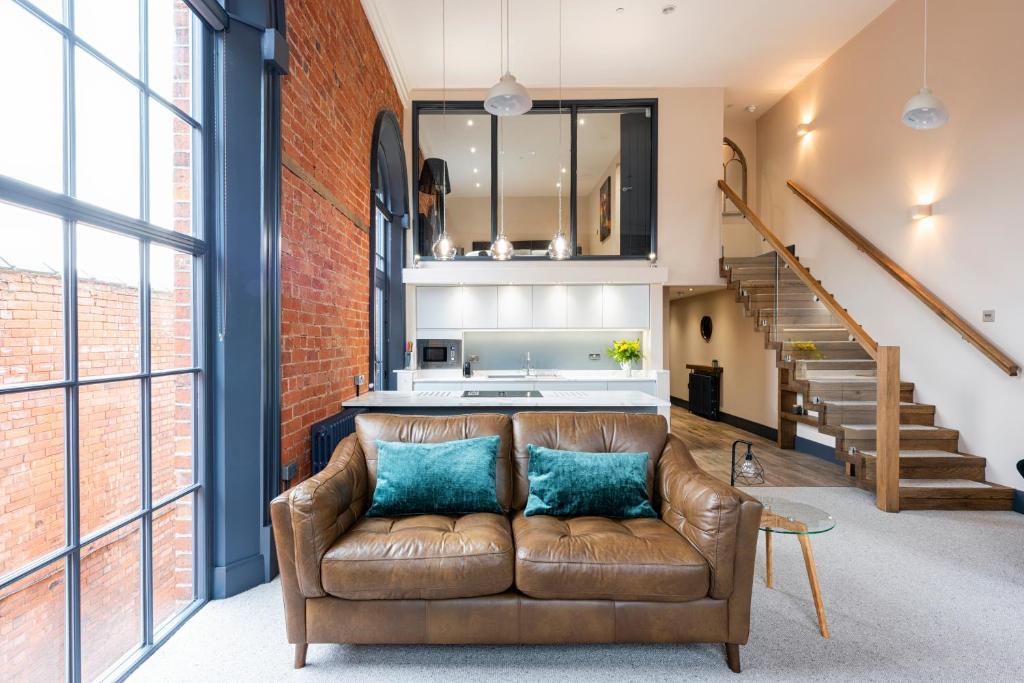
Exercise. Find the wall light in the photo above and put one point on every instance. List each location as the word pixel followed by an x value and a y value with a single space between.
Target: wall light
pixel 803 129
pixel 919 211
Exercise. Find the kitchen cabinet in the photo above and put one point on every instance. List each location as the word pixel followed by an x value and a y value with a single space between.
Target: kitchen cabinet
pixel 626 307
pixel 549 304
pixel 584 304
pixel 439 307
pixel 489 385
pixel 646 386
pixel 480 307
pixel 515 306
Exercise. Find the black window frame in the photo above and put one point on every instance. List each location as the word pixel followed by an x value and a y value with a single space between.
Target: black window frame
pixel 574 107
pixel 74 212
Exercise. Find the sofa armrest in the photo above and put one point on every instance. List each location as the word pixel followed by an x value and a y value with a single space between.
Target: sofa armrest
pixel 323 507
pixel 284 542
pixel 710 514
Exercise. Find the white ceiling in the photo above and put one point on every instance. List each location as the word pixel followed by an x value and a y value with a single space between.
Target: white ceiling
pixel 756 49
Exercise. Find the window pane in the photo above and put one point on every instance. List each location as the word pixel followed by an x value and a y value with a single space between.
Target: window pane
pixel 170 52
pixel 108 460
pixel 31 476
pixel 106 136
pixel 173 577
pixel 172 422
pixel 536 174
pixel 170 308
pixel 108 303
pixel 31 296
pixel 467 150
pixel 613 180
pixel 32 626
pixel 32 137
pixel 112 27
pixel 111 600
pixel 170 170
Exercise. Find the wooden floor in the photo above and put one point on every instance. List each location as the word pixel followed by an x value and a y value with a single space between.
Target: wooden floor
pixel 711 443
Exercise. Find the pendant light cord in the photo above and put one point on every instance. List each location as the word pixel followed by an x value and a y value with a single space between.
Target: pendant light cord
pixel 444 112
pixel 558 118
pixel 925 79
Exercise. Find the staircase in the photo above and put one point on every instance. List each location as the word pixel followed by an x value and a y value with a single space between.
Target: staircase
pixel 823 369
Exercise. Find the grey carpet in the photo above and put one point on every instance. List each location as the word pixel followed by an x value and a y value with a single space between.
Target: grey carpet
pixel 913 596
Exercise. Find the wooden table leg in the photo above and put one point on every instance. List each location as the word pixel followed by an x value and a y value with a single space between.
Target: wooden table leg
pixel 812 577
pixel 768 558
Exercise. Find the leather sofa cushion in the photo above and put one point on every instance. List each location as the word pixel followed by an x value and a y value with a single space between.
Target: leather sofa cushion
pixel 434 429
pixel 588 432
pixel 430 557
pixel 598 558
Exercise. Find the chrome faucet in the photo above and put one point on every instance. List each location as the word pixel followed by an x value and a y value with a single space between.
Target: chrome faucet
pixel 528 364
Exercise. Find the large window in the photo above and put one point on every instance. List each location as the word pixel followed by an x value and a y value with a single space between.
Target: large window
pixel 101 342
pixel 587 166
pixel 387 251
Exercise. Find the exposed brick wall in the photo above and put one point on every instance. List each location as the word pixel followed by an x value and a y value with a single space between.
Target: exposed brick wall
pixel 330 101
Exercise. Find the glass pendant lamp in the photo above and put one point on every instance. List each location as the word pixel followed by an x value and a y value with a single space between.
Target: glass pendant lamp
pixel 501 247
pixel 560 248
pixel 434 177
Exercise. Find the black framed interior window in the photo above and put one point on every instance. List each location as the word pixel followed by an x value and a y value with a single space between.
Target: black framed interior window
pixel 589 166
pixel 388 219
pixel 102 341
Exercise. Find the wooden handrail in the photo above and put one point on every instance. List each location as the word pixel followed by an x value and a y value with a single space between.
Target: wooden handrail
pixel 1005 363
pixel 862 337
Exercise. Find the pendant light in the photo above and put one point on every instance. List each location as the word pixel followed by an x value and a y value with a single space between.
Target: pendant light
pixel 501 247
pixel 507 97
pixel 443 248
pixel 925 111
pixel 559 249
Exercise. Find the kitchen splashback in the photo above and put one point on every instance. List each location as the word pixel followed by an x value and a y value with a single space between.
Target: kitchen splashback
pixel 549 349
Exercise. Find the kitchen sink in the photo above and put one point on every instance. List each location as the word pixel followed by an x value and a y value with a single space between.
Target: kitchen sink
pixel 473 393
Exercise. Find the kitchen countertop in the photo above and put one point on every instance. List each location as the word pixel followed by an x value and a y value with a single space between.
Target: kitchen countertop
pixel 425 376
pixel 454 399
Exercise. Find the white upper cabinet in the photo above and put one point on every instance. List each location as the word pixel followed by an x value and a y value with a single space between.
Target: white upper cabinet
pixel 585 304
pixel 549 305
pixel 515 306
pixel 439 307
pixel 480 307
pixel 627 306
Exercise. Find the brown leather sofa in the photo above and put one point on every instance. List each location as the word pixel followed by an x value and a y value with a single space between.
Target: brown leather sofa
pixel 508 579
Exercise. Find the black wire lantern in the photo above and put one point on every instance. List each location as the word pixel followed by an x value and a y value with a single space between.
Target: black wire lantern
pixel 751 471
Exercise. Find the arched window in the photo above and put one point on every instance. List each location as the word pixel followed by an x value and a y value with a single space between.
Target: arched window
pixel 388 218
pixel 734 172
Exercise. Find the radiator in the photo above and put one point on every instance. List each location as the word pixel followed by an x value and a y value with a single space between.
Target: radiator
pixel 325 435
pixel 704 395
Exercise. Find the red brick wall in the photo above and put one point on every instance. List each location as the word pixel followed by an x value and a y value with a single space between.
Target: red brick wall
pixel 330 101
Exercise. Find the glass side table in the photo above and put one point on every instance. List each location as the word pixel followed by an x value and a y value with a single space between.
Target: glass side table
pixel 782 516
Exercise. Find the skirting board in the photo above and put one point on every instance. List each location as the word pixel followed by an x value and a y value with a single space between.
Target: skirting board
pixel 803 445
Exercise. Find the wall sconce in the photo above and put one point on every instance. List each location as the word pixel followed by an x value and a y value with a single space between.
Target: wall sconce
pixel 803 129
pixel 919 211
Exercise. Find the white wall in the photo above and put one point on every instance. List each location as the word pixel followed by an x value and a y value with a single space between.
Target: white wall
pixel 870 169
pixel 749 377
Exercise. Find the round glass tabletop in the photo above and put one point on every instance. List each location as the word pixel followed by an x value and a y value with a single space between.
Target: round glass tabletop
pixel 786 517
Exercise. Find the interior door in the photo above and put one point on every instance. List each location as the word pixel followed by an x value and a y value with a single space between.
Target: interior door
pixel 635 199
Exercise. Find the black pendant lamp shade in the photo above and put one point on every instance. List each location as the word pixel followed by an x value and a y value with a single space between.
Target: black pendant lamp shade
pixel 434 177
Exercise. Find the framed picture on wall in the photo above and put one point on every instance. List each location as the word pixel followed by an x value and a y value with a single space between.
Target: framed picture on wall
pixel 605 229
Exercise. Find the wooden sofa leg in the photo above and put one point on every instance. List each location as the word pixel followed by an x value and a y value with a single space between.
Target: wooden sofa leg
pixel 300 655
pixel 732 657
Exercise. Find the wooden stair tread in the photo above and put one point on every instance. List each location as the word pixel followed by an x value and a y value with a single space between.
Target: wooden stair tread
pixel 947 484
pixel 903 428
pixel 925 453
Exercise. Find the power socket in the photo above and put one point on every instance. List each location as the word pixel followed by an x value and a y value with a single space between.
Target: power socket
pixel 988 315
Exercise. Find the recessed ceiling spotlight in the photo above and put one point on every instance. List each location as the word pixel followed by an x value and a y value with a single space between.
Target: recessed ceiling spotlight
pixel 563 169
pixel 582 121
pixel 469 122
pixel 478 184
pixel 476 170
pixel 620 10
pixel 669 8
pixel 472 150
pixel 751 108
pixel 558 184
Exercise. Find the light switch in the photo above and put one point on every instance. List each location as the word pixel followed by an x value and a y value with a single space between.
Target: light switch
pixel 988 316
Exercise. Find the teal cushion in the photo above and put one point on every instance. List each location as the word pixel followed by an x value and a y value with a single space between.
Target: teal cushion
pixel 571 483
pixel 453 477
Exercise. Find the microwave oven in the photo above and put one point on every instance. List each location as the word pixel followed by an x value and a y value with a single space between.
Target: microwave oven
pixel 439 353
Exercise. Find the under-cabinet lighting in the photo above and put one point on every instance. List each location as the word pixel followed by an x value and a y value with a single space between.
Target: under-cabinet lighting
pixel 919 211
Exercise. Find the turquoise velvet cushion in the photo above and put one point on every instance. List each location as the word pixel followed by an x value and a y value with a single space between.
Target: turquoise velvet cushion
pixel 453 477
pixel 572 483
